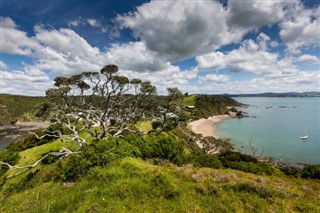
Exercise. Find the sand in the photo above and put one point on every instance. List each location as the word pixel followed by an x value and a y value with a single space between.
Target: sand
pixel 207 127
pixel 27 125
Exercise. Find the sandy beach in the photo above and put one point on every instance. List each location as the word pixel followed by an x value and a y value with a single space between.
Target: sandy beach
pixel 207 127
pixel 27 125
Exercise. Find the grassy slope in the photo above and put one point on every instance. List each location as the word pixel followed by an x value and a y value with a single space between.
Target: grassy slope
pixel 133 185
pixel 17 106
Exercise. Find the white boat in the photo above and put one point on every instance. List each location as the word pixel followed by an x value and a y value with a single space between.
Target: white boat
pixel 304 137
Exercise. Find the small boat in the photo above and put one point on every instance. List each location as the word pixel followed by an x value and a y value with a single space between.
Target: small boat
pixel 304 137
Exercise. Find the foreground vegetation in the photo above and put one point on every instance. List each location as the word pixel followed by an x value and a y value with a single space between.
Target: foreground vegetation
pixel 156 173
pixel 115 152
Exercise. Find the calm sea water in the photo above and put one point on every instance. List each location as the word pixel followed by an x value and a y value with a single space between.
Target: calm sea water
pixel 277 128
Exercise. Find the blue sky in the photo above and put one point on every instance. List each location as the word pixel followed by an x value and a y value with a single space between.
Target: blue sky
pixel 199 46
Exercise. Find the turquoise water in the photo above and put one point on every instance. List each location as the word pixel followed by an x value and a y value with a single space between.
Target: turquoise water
pixel 277 127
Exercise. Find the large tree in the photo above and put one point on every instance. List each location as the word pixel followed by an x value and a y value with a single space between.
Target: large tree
pixel 106 104
pixel 98 105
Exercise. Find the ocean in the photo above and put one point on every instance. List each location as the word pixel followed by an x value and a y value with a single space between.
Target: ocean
pixel 275 126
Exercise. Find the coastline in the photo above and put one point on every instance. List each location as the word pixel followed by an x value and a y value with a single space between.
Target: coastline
pixel 207 127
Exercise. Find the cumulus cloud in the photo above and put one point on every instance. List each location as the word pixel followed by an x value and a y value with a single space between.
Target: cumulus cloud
pixel 135 56
pixel 27 82
pixel 251 56
pixel 301 29
pixel 168 31
pixel 172 76
pixel 216 78
pixel 14 41
pixel 7 22
pixel 179 30
pixel 307 58
pixel 64 51
pixel 255 13
pixel 299 82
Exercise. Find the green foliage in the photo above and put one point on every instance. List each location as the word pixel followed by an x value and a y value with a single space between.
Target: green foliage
pixel 243 162
pixel 208 105
pixel 10 157
pixel 166 189
pixel 133 185
pixel 15 106
pixel 311 171
pixel 157 146
pixel 250 188
pixel 44 110
pixel 206 160
pixel 290 170
pixel 72 167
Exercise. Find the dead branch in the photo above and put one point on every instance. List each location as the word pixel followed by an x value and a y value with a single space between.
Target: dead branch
pixel 62 153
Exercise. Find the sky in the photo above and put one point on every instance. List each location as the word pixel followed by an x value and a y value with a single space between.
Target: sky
pixel 199 46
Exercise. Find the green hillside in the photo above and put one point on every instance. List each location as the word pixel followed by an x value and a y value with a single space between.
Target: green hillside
pixel 160 172
pixel 17 106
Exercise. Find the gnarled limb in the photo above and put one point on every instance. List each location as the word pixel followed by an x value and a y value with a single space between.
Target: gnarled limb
pixel 62 153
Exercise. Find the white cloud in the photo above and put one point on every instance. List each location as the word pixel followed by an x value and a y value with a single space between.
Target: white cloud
pixel 255 13
pixel 301 29
pixel 216 78
pixel 135 56
pixel 178 29
pixel 307 58
pixel 28 82
pixel 172 76
pixel 6 22
pixel 64 51
pixel 89 21
pixel 299 82
pixel 14 41
pixel 74 23
pixel 251 57
pixel 3 65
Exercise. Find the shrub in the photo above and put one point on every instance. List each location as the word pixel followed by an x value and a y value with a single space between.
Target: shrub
pixel 10 157
pixel 246 163
pixel 105 151
pixel 311 171
pixel 161 146
pixel 207 160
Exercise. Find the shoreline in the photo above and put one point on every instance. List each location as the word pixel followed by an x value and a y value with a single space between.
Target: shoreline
pixel 26 125
pixel 207 127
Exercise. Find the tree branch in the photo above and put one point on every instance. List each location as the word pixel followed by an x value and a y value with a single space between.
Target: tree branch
pixel 62 153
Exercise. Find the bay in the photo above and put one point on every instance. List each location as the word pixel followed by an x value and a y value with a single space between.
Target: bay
pixel 275 126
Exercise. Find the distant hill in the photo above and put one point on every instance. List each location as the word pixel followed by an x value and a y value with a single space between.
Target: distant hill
pixel 17 106
pixel 271 94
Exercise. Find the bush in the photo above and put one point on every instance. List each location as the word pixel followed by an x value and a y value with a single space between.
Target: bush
pixel 160 146
pixel 311 171
pixel 243 162
pixel 105 151
pixel 10 157
pixel 72 167
pixel 206 160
